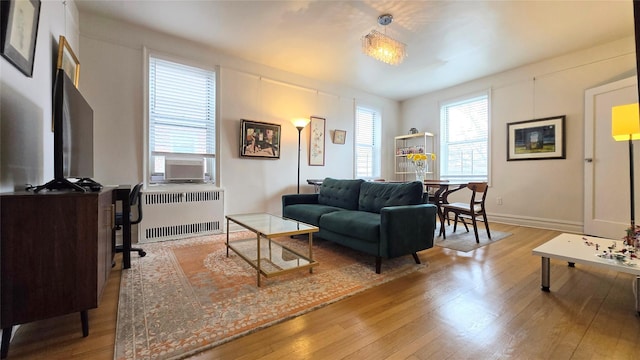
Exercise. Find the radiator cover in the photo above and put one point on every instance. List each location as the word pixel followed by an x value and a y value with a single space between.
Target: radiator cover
pixel 170 214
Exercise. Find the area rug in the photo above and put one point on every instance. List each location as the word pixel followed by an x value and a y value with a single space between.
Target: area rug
pixel 464 241
pixel 187 296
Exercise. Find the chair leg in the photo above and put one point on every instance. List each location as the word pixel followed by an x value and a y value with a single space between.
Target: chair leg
pixel 378 264
pixel 442 232
pixel 416 258
pixel 464 223
pixel 486 225
pixel 475 229
pixel 440 218
pixel 455 223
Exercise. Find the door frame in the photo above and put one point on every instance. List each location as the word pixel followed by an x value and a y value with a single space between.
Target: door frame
pixel 593 226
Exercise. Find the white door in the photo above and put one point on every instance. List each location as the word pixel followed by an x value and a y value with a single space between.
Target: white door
pixel 607 208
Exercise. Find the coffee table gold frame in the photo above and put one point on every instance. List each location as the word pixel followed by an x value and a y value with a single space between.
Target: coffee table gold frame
pixel 267 256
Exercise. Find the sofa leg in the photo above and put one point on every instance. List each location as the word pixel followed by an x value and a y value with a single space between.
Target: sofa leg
pixel 378 264
pixel 416 258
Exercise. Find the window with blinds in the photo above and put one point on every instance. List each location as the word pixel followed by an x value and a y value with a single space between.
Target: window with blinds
pixel 367 139
pixel 464 139
pixel 182 112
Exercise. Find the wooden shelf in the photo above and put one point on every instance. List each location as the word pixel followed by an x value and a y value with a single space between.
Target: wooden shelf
pixel 421 143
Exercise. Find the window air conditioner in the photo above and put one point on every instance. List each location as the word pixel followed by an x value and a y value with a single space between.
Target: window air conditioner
pixel 184 169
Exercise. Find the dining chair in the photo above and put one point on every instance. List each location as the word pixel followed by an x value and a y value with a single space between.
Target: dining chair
pixel 474 210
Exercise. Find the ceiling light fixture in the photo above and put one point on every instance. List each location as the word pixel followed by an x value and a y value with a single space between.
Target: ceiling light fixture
pixel 382 47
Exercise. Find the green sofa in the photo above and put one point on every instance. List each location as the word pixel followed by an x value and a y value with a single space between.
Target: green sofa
pixel 385 220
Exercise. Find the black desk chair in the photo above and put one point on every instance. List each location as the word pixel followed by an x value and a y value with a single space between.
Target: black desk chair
pixel 134 201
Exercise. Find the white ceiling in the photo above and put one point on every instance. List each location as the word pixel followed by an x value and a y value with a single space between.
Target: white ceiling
pixel 448 42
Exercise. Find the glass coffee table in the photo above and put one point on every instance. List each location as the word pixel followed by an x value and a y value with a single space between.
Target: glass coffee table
pixel 267 256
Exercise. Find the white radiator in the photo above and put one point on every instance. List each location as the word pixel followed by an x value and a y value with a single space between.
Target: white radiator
pixel 170 214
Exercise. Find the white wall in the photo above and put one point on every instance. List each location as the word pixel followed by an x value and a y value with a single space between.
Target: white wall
pixel 541 193
pixel 112 80
pixel 26 140
pixel 547 193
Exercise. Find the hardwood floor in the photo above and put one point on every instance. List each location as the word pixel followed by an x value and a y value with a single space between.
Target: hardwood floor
pixel 485 304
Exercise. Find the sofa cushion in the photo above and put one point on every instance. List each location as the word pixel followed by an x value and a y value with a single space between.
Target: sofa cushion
pixel 307 213
pixel 357 224
pixel 376 195
pixel 340 193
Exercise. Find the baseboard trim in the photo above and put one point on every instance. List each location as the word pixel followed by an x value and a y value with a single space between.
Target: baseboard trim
pixel 541 223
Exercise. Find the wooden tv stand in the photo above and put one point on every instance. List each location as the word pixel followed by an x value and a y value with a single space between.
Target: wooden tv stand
pixel 55 255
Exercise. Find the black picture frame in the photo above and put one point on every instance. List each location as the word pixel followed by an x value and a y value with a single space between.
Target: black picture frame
pixel 537 139
pixel 259 139
pixel 19 32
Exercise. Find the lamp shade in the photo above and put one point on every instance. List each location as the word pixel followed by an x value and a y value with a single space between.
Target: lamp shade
pixel 625 122
pixel 300 122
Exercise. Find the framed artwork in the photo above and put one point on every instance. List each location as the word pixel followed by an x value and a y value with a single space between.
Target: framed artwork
pixel 339 136
pixel 68 61
pixel 259 140
pixel 19 21
pixel 536 139
pixel 316 143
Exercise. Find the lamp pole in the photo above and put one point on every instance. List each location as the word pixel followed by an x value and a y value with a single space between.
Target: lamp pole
pixel 299 132
pixel 633 210
pixel 300 124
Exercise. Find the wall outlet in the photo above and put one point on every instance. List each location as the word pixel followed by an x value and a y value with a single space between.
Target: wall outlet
pixel 499 200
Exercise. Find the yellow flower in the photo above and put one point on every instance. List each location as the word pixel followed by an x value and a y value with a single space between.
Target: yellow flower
pixel 433 156
pixel 417 157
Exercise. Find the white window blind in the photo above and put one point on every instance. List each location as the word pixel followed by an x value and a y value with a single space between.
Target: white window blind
pixel 367 152
pixel 181 113
pixel 465 139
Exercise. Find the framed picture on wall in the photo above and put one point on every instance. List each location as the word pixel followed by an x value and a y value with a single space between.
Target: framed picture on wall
pixel 316 143
pixel 19 20
pixel 536 139
pixel 259 140
pixel 68 61
pixel 339 136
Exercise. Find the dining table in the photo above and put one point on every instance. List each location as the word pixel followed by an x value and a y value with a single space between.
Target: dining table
pixel 437 192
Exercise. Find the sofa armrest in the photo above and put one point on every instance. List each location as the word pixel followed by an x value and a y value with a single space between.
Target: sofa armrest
pixel 293 199
pixel 406 229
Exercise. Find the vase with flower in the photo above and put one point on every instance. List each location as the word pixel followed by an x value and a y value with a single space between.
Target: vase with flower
pixel 420 164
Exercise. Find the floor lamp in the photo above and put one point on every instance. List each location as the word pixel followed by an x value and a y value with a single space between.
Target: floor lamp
pixel 299 124
pixel 625 126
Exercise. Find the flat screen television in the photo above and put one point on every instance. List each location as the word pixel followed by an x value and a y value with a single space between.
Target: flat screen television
pixel 72 138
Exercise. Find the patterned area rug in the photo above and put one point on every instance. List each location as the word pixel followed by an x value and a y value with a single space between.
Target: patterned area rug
pixel 461 240
pixel 187 296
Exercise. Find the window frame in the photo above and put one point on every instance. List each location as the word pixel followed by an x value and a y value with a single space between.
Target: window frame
pixel 211 159
pixel 444 143
pixel 376 166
